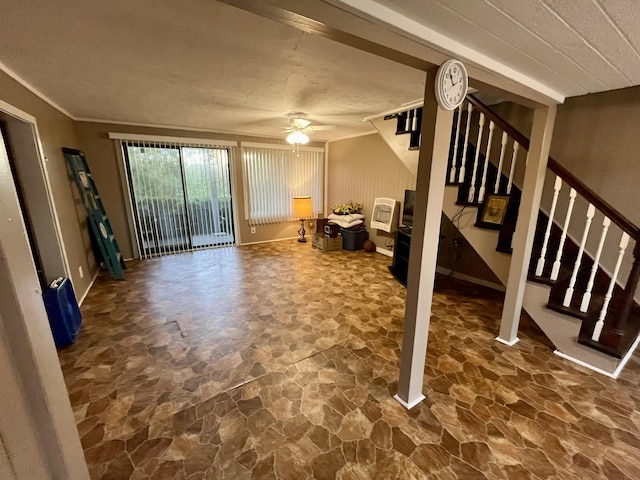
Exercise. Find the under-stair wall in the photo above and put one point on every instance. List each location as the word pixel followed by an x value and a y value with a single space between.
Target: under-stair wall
pixel 582 283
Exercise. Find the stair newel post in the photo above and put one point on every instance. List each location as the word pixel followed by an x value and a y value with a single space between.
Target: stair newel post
pixel 586 298
pixel 474 174
pixel 512 169
pixel 463 160
pixel 454 160
pixel 556 265
pixel 624 242
pixel 568 296
pixel 547 233
pixel 486 163
pixel 630 288
pixel 503 146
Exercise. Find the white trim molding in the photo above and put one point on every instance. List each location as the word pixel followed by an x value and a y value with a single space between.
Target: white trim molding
pixel 511 343
pixel 135 137
pixel 34 90
pixel 280 146
pixel 410 405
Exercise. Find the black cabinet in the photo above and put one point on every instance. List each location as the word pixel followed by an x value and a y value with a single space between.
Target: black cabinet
pixel 400 265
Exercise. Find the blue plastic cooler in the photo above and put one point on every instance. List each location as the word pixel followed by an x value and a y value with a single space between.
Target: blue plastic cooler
pixel 63 312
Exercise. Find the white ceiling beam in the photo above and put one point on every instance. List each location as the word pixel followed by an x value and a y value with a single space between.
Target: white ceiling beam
pixel 483 70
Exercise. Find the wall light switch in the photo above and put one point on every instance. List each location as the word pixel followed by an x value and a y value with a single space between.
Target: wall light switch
pixel 253 229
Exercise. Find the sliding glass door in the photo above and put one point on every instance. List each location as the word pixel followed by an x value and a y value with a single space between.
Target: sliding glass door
pixel 181 197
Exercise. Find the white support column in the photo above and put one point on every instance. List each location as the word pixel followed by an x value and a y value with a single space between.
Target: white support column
pixel 430 185
pixel 541 133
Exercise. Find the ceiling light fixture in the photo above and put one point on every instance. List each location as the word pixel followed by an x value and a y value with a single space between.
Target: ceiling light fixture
pixel 298 137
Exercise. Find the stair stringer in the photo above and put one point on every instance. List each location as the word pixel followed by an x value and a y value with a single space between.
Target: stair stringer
pixel 561 330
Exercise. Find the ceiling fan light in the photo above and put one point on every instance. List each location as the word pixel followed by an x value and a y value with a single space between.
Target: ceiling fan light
pixel 297 137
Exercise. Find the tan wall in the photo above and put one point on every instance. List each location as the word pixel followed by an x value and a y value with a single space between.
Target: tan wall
pixel 57 131
pixel 101 156
pixel 363 168
pixel 596 139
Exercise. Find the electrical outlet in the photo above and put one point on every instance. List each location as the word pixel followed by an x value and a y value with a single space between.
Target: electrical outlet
pixel 253 229
pixel 310 223
pixel 456 243
pixel 81 272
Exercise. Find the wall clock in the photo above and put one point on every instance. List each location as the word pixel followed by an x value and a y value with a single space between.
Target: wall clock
pixel 452 83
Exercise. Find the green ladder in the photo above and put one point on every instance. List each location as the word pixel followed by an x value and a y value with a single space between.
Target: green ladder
pixel 97 216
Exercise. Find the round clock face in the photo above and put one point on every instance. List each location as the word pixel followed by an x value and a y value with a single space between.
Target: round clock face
pixel 451 84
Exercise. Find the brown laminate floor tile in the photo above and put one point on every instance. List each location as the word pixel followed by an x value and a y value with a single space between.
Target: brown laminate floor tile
pixel 279 361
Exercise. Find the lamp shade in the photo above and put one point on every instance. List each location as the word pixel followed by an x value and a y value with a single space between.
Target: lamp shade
pixel 302 207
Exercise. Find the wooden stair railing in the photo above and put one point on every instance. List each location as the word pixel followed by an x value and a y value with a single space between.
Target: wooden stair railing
pixel 580 285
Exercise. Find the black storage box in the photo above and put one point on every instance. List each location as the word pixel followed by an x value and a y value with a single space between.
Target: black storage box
pixel 353 239
pixel 320 223
pixel 331 230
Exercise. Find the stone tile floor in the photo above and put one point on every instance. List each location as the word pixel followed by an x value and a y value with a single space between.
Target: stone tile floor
pixel 279 361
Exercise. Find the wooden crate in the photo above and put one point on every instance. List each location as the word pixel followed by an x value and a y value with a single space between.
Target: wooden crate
pixel 326 244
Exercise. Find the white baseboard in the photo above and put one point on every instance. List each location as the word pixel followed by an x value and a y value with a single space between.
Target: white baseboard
pixel 511 343
pixel 411 404
pixel 584 364
pixel 95 277
pixel 275 240
pixel 470 279
pixel 384 251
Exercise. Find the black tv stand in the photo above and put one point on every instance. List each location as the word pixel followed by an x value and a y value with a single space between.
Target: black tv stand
pixel 400 265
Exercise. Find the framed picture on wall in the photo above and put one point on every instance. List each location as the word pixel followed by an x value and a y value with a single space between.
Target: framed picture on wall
pixel 494 211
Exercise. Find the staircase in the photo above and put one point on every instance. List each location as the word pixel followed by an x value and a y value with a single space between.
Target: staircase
pixel 582 248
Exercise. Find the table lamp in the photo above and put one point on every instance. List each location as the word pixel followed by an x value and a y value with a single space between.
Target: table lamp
pixel 302 208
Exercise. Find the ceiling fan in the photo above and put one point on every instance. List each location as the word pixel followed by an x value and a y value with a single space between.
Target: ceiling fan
pixel 300 126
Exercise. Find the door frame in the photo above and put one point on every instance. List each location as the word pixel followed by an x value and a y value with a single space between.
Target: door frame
pixel 42 159
pixel 37 426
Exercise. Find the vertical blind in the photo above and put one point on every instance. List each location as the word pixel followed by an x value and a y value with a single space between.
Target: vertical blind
pixel 181 196
pixel 274 174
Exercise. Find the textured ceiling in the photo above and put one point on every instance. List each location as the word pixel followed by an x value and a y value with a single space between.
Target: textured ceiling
pixel 196 64
pixel 204 65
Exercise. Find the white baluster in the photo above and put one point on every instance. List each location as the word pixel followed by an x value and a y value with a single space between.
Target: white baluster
pixel 568 296
pixel 516 146
pixel 463 162
pixel 556 265
pixel 503 146
pixel 472 188
pixel 547 233
pixel 624 241
pixel 454 160
pixel 414 122
pixel 586 298
pixel 407 121
pixel 486 163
